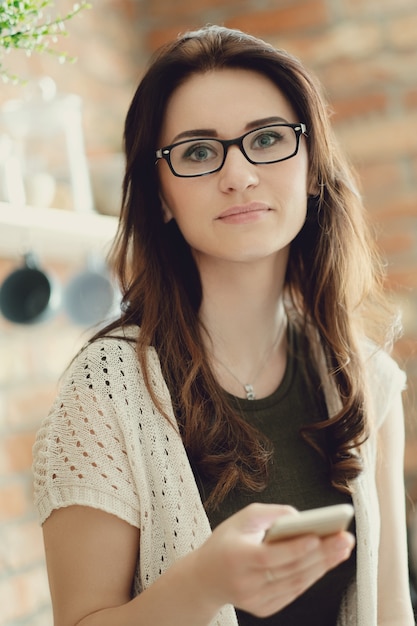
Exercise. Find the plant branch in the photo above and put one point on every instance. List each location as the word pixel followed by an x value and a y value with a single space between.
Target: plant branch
pixel 23 27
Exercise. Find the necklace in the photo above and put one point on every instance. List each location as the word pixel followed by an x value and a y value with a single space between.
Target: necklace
pixel 249 387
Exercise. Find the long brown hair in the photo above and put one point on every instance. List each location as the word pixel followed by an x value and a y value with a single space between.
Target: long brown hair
pixel 333 282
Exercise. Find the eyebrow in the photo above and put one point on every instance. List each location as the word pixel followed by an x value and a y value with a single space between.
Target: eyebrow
pixel 211 132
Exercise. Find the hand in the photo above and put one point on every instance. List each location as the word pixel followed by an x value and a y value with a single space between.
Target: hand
pixel 236 567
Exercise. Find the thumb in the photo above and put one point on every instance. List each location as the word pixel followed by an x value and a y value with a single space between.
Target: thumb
pixel 257 518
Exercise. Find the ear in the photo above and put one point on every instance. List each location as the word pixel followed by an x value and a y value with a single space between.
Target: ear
pixel 166 211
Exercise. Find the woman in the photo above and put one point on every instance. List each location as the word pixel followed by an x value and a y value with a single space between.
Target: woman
pixel 257 383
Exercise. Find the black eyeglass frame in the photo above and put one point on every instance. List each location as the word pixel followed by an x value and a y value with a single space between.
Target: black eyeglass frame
pixel 165 152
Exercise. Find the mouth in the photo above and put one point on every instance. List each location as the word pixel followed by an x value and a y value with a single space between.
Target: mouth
pixel 242 209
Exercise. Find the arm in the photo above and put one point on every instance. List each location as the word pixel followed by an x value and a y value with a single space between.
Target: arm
pixel 394 605
pixel 91 558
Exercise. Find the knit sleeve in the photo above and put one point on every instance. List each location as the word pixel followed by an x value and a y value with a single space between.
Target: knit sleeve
pixel 81 454
pixel 386 383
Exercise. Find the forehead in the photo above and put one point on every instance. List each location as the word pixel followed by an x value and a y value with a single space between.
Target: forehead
pixel 225 100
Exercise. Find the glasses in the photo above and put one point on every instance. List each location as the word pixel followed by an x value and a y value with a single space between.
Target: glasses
pixel 201 156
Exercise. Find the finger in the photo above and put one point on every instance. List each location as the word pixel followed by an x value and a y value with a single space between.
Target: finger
pixel 286 553
pixel 305 551
pixel 284 585
pixel 256 517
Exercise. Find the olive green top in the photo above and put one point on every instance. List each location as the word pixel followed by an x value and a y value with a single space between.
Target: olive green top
pixel 298 476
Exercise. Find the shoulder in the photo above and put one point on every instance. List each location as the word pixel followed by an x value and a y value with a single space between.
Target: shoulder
pixel 383 370
pixel 102 361
pixel 88 428
pixel 113 345
pixel 109 365
pixel 111 353
pixel 385 379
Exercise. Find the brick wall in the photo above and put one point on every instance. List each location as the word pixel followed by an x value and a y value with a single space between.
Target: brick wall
pixel 365 53
pixel 32 359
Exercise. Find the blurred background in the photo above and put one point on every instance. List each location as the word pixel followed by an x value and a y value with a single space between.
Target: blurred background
pixel 67 122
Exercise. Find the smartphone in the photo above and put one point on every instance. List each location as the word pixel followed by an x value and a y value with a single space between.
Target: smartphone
pixel 323 521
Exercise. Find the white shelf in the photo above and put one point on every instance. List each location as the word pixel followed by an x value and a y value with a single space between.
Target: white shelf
pixel 56 234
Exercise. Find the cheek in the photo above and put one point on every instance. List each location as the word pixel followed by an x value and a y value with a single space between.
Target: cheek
pixel 180 203
pixel 170 200
pixel 298 183
pixel 184 203
pixel 180 197
pixel 290 184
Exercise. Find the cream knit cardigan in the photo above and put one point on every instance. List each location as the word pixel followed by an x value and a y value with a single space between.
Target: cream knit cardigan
pixel 105 445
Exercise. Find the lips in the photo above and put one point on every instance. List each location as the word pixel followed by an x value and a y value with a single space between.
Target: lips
pixel 241 209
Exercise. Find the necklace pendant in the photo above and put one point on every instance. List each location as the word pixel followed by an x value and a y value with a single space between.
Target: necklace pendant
pixel 250 394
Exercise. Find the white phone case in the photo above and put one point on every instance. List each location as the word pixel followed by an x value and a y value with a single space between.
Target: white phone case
pixel 322 521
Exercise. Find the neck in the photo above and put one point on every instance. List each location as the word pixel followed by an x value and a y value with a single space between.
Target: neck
pixel 243 313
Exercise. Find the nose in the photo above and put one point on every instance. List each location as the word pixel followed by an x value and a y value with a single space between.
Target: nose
pixel 237 174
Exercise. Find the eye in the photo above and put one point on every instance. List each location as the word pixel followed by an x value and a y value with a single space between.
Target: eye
pixel 200 152
pixel 266 139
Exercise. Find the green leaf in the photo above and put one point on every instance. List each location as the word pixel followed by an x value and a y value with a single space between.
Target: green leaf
pixel 24 26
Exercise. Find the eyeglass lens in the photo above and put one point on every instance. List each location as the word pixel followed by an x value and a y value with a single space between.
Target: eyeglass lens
pixel 264 145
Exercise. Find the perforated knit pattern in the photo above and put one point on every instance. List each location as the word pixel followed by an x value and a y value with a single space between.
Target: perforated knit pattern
pixel 105 445
pixel 81 449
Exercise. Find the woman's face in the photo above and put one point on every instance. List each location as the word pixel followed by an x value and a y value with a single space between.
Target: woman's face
pixel 244 212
